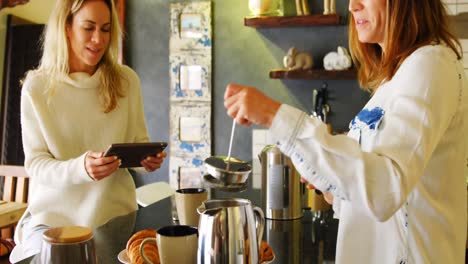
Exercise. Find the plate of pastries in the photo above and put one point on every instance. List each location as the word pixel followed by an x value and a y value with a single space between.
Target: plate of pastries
pixel 131 253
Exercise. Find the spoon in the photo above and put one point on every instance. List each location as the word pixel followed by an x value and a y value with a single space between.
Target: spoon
pixel 230 143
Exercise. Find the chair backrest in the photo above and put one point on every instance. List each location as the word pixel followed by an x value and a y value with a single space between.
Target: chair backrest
pixel 153 192
pixel 15 187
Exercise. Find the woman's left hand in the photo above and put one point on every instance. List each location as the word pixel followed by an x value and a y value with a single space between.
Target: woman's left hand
pixel 307 184
pixel 326 195
pixel 151 163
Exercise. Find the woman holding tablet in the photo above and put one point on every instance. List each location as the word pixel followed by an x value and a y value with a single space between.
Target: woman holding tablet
pixel 74 105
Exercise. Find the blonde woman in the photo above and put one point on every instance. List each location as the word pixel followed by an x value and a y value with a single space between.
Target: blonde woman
pixel 77 102
pixel 397 179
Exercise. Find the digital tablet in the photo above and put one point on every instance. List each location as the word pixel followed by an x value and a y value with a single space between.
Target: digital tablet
pixel 132 154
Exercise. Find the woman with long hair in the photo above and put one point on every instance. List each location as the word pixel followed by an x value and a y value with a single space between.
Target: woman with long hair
pixel 73 106
pixel 396 180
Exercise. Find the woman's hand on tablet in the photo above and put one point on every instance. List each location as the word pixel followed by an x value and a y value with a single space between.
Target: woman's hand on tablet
pixel 152 163
pixel 99 167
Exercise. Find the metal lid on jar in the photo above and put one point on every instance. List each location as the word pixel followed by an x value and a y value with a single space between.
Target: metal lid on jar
pixel 68 234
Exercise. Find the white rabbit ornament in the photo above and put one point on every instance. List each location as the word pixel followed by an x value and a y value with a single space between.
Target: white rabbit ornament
pixel 337 60
pixel 295 60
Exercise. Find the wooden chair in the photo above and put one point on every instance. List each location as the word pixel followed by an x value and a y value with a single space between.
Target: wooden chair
pixel 15 198
pixel 153 192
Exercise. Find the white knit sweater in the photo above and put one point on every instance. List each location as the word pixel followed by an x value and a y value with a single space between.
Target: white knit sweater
pixel 58 130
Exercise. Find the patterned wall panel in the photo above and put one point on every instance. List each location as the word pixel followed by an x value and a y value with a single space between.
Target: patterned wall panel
pixel 190 47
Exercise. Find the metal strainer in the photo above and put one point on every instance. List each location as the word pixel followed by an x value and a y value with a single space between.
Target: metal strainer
pixel 227 171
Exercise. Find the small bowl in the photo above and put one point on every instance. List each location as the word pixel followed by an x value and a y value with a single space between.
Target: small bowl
pixel 235 171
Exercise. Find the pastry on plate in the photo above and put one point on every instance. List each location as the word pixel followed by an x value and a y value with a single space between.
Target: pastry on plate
pixel 150 249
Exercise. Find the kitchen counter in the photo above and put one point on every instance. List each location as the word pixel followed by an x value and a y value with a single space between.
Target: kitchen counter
pixel 310 239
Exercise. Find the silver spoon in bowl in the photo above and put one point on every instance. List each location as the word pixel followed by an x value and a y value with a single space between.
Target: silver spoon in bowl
pixel 230 143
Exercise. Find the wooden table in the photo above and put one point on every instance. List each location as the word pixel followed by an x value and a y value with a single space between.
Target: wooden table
pixel 11 212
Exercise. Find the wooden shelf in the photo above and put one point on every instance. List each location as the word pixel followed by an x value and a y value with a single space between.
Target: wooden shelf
pixel 301 21
pixel 292 21
pixel 314 74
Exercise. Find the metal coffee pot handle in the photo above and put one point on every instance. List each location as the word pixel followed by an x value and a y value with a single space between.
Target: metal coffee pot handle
pixel 259 223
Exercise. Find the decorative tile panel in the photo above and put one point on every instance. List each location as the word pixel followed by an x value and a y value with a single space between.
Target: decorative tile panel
pixel 181 112
pixel 190 47
pixel 179 61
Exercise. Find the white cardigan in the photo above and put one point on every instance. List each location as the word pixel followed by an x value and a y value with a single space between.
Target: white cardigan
pixel 58 130
pixel 398 177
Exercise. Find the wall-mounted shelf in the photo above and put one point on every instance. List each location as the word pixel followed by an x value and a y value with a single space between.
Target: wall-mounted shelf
pixel 314 74
pixel 301 21
pixel 292 21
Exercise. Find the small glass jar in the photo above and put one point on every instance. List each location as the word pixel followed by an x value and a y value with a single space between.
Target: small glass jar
pixel 265 7
pixel 68 244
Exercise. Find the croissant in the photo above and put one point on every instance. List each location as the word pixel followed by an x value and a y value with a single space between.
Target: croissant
pixel 150 249
pixel 265 252
pixel 6 246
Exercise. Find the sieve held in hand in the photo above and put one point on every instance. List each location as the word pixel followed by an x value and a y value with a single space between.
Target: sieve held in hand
pixel 228 170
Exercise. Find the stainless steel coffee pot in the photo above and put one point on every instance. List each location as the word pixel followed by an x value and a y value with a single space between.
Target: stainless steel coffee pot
pixel 282 190
pixel 230 231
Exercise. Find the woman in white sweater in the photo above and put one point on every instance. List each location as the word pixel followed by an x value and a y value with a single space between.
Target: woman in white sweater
pixel 397 178
pixel 78 102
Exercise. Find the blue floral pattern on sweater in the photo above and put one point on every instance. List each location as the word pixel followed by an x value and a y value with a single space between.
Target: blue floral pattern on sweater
pixel 367 119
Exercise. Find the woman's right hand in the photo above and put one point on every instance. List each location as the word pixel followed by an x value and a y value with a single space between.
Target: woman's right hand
pixel 99 167
pixel 248 105
pixel 326 195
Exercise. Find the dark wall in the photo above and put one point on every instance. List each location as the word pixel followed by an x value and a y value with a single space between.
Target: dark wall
pixel 240 54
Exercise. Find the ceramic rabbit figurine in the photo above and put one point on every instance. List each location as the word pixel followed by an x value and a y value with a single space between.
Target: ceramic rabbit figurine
pixel 295 60
pixel 340 60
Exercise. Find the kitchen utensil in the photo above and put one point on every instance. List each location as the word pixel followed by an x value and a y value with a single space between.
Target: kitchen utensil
pixel 314 102
pixel 282 190
pixel 212 182
pixel 227 171
pixel 321 109
pixel 230 231
pixel 233 127
pixel 238 172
